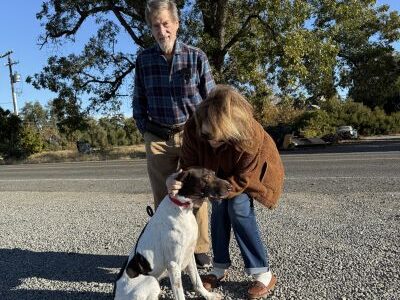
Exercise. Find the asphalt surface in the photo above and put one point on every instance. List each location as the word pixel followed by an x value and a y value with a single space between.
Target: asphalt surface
pixel 65 229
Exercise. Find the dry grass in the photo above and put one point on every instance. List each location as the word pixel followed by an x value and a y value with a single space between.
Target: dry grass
pixel 122 152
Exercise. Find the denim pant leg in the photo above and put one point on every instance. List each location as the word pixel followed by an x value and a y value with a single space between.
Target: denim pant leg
pixel 220 233
pixel 247 234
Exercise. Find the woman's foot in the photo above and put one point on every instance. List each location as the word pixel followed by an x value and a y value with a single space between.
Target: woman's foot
pixel 258 290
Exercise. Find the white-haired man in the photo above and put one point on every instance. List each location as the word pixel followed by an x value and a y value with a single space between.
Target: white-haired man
pixel 171 79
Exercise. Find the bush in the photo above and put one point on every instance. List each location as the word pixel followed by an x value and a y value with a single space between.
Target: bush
pixel 316 123
pixel 10 134
pixel 394 123
pixel 31 141
pixel 336 113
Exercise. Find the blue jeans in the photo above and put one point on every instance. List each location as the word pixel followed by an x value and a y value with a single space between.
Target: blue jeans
pixel 237 213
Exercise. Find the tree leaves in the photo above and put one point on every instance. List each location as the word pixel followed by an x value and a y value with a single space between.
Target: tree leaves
pixel 298 49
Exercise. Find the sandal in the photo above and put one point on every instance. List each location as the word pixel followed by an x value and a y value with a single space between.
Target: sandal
pixel 210 281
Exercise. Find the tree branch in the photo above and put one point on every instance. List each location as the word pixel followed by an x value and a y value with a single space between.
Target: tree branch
pixel 121 19
pixel 239 34
pixel 269 28
pixel 53 33
pixel 114 84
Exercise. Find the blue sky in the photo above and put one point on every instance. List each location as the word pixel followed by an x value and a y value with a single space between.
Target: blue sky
pixel 19 31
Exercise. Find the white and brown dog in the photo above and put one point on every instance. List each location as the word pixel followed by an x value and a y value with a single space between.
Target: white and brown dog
pixel 166 245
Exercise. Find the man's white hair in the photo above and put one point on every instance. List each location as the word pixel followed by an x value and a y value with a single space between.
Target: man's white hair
pixel 154 6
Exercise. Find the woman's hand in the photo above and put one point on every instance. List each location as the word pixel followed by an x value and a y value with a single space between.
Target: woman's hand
pixel 173 185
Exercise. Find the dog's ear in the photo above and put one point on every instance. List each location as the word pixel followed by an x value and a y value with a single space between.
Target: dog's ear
pixel 181 176
pixel 138 265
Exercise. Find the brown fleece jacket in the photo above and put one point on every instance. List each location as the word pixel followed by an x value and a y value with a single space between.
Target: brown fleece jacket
pixel 260 175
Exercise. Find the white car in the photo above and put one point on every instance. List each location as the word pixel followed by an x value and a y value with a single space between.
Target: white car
pixel 347 132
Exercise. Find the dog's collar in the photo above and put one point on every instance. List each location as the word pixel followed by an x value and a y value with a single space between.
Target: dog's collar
pixel 178 200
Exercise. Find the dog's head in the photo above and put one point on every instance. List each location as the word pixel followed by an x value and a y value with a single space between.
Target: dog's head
pixel 199 184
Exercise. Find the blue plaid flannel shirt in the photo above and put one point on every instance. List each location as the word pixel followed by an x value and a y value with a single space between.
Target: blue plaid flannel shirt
pixel 168 95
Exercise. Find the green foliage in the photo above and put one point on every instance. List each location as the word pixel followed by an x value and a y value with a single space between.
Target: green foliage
pixel 34 114
pixel 18 139
pixel 269 114
pixel 23 137
pixel 113 127
pixel 303 49
pixel 31 141
pixel 40 131
pixel 95 135
pixel 132 133
pixel 298 52
pixel 10 131
pixel 316 123
pixel 367 63
pixel 376 79
pixel 335 113
pixel 66 108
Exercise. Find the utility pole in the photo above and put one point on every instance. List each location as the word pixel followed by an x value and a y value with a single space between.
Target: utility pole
pixel 13 79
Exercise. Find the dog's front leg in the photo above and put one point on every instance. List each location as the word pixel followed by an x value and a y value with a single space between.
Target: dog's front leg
pixel 175 277
pixel 193 273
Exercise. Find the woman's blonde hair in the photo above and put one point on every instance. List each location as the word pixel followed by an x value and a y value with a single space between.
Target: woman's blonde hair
pixel 228 116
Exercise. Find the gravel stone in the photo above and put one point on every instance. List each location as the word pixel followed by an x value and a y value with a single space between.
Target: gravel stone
pixel 335 239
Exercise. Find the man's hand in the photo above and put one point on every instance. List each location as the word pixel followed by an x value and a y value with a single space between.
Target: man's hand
pixel 173 185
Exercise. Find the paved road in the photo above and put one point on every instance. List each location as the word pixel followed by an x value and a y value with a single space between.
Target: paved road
pixel 130 177
pixel 65 228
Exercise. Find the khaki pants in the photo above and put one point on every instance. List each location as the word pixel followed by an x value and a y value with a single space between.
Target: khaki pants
pixel 162 161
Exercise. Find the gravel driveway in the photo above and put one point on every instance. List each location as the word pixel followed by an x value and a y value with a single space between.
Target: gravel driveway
pixel 336 242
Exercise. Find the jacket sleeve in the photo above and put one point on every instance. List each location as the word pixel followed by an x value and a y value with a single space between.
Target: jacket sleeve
pixel 244 167
pixel 139 102
pixel 261 174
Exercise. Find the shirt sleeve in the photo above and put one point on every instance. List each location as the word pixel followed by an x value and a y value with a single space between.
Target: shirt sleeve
pixel 139 102
pixel 207 82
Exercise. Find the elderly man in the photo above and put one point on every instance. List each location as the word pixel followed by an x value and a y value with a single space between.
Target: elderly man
pixel 171 79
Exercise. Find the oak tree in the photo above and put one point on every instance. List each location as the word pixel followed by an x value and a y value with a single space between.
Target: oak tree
pixel 301 49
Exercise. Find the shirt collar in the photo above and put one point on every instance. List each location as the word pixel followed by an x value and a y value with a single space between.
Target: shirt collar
pixel 178 47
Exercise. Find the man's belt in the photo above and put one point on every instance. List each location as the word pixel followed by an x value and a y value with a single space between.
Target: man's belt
pixel 163 131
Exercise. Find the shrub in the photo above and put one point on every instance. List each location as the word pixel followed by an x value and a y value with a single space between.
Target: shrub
pixel 31 140
pixel 316 123
pixel 335 113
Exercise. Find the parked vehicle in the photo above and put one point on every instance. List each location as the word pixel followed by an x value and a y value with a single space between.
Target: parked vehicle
pixel 83 147
pixel 347 133
pixel 291 142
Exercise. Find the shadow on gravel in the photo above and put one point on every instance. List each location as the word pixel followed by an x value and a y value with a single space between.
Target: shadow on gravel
pixel 53 295
pixel 22 268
